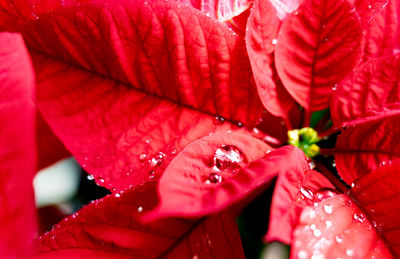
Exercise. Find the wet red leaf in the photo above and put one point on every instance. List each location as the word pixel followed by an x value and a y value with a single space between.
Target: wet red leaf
pixel 372 87
pixel 317 46
pixel 111 228
pixel 206 176
pixel 17 151
pixel 378 194
pixel 126 80
pixel 294 190
pixel 336 228
pixel 366 146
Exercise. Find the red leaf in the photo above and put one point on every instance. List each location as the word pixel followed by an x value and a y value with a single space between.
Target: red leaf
pixel 191 178
pixel 368 9
pixel 378 194
pixel 111 228
pixel 50 149
pixel 144 64
pixel 372 87
pixel 294 190
pixel 364 147
pixel 285 7
pixel 317 46
pixel 336 228
pixel 381 32
pixel 17 151
pixel 261 38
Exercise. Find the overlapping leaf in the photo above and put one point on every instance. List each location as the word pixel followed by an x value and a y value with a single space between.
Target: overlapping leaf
pixel 126 80
pixel 374 86
pixel 17 150
pixel 111 228
pixel 366 146
pixel 336 228
pixel 378 195
pixel 294 190
pixel 317 46
pixel 261 38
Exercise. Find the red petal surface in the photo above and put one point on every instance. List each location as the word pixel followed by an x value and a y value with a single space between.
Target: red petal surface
pixel 111 228
pixel 336 228
pixel 294 190
pixel 366 146
pixel 378 193
pixel 185 189
pixel 50 148
pixel 261 38
pixel 116 82
pixel 381 33
pixel 373 86
pixel 317 46
pixel 17 150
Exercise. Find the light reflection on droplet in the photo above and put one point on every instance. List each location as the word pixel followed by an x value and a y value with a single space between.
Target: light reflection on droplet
pixel 140 209
pixel 328 208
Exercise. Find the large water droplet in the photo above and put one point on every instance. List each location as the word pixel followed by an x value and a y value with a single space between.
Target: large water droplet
pixel 90 177
pixel 213 178
pixel 228 157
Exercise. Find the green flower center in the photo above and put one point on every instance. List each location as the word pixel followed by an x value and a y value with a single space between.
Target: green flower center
pixel 305 139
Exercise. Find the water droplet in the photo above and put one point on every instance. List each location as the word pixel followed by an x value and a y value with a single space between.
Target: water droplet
pixel 142 156
pixel 313 226
pixel 372 210
pixel 219 120
pixel 148 141
pixel 195 257
pixel 328 223
pixel 358 217
pixel 157 159
pixel 140 209
pixel 307 192
pixel 100 180
pixel 239 124
pixel 334 163
pixel 117 195
pixel 369 6
pixel 228 157
pixel 174 151
pixel 334 87
pixel 328 208
pixel 152 174
pixel 317 233
pixel 325 39
pixel 339 239
pixel 274 41
pixel 349 252
pixel 90 177
pixel 317 255
pixel 256 131
pixel 302 254
pixel 311 165
pixel 213 178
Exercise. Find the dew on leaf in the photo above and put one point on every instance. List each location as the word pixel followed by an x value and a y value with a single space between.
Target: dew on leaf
pixel 117 195
pixel 349 252
pixel 358 217
pixel 219 120
pixel 142 156
pixel 328 208
pixel 334 87
pixel 140 209
pixel 90 177
pixel 213 178
pixel 317 233
pixel 307 193
pixel 228 157
pixel 157 159
pixel 339 239
pixel 302 254
pixel 274 41
pixel 328 223
pixel 195 257
pixel 148 141
pixel 100 179
pixel 152 174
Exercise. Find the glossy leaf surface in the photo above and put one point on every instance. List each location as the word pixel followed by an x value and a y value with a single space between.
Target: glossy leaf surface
pixel 126 80
pixel 213 173
pixel 336 228
pixel 366 146
pixel 111 228
pixel 17 150
pixel 294 190
pixel 372 87
pixel 378 194
pixel 317 46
